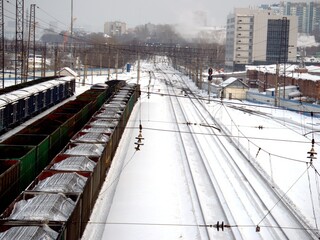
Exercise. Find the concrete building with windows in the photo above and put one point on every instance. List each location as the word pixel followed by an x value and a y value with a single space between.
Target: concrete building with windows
pixel 115 28
pixel 307 12
pixel 258 36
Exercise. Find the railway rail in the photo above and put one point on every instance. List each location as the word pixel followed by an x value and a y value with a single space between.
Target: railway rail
pixel 224 185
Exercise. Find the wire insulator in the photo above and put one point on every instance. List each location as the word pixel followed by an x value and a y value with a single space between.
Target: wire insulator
pixel 258 152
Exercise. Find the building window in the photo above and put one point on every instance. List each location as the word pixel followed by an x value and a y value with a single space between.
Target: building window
pixel 277 40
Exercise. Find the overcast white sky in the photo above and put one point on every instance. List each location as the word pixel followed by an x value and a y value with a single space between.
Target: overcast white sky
pixel 95 12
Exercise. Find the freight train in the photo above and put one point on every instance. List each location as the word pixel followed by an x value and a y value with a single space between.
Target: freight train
pixel 58 202
pixel 20 102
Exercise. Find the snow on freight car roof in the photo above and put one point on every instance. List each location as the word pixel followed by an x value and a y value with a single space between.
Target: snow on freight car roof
pixel 29 232
pixel 10 97
pixel 76 163
pixel 86 149
pixel 28 91
pixel 50 84
pixel 3 102
pixel 21 94
pixel 62 182
pixel 54 207
pixel 104 123
pixel 98 129
pixel 92 137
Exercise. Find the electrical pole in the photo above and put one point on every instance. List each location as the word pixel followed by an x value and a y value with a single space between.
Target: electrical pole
pixel 43 61
pixel 19 48
pixel 100 58
pixel 109 63
pixel 138 70
pixel 85 74
pixel 116 64
pixel 71 35
pixel 276 86
pixel 56 60
pixel 283 54
pixel 2 40
pixel 31 43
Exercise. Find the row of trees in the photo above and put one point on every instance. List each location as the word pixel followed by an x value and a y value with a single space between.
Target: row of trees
pixel 96 50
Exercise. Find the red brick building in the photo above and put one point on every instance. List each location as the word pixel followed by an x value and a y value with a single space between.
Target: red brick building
pixel 309 85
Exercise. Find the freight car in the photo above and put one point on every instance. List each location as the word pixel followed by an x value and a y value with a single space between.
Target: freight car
pixel 36 144
pixel 74 177
pixel 20 104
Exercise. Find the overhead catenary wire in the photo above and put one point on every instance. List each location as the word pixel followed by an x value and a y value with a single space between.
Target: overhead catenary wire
pixel 283 195
pixel 117 177
pixel 166 224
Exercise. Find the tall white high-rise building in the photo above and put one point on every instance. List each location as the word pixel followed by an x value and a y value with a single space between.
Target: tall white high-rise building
pixel 257 36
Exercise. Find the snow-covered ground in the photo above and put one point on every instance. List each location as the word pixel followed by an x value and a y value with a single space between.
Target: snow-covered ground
pixel 146 195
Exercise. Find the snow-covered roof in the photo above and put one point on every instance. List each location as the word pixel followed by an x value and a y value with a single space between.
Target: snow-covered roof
pixel 289 70
pixel 292 87
pixel 230 81
pixel 67 72
pixel 313 68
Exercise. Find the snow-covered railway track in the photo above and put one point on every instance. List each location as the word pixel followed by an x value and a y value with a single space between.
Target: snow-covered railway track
pixel 269 206
pixel 282 121
pixel 201 187
pixel 227 186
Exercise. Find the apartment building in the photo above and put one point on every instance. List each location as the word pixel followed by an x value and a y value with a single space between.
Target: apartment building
pixel 115 28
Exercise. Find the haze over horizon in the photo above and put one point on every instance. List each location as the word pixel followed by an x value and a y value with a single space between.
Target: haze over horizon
pixel 93 14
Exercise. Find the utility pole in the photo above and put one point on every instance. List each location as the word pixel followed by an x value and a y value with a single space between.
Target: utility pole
pixel 109 63
pixel 71 36
pixel 91 63
pixel 201 74
pixel 2 40
pixel 44 60
pixel 276 86
pixel 19 48
pixel 285 47
pixel 138 70
pixel 56 62
pixel 31 43
pixel 100 58
pixel 197 72
pixel 283 54
pixel 116 64
pixel 85 74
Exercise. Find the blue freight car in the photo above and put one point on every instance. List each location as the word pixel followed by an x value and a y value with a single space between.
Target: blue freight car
pixel 19 105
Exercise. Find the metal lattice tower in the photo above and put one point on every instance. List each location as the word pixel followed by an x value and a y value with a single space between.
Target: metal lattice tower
pixel 19 51
pixel 31 42
pixel 2 40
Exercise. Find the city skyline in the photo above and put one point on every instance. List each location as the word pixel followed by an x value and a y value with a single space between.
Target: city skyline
pixel 92 15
